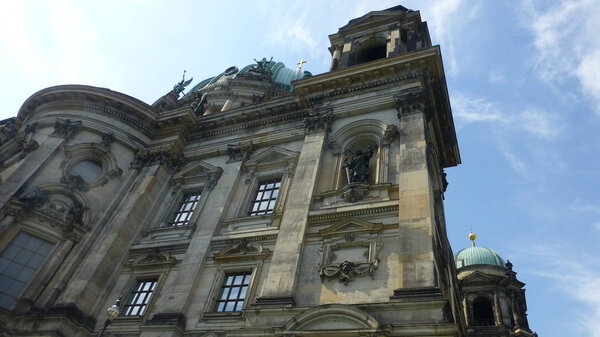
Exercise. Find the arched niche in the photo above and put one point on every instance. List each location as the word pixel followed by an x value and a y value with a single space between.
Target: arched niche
pixel 328 317
pixel 360 135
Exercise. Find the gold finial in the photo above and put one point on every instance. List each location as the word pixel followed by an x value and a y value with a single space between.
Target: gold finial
pixel 300 63
pixel 472 237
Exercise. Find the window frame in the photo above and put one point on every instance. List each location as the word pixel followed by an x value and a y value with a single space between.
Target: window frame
pixel 132 292
pixel 210 308
pixel 177 209
pixel 226 285
pixel 258 191
pixel 6 242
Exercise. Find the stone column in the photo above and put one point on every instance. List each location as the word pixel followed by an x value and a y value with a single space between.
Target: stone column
pixel 336 57
pixel 97 271
pixel 497 310
pixel 175 297
pixel 416 200
pixel 280 281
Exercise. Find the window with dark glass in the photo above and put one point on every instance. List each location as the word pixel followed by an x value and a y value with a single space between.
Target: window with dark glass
pixel 184 210
pixel 266 196
pixel 233 292
pixel 18 262
pixel 140 297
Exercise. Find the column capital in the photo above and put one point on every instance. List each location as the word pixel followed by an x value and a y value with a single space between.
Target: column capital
pixel 410 102
pixel 239 151
pixel 168 155
pixel 318 120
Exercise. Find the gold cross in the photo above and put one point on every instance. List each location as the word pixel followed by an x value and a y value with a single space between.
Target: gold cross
pixel 300 63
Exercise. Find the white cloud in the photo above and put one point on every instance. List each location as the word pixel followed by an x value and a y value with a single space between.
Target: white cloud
pixel 567 44
pixel 575 272
pixel 531 121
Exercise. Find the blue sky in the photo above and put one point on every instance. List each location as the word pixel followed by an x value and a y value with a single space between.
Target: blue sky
pixel 524 82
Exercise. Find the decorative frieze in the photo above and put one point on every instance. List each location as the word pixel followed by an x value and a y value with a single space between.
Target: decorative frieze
pixel 319 120
pixel 166 155
pixel 66 129
pixel 214 178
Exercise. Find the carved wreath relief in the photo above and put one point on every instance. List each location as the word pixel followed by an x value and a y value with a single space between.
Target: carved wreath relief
pixel 349 250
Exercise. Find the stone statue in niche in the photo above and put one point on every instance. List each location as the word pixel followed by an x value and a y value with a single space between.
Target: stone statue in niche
pixel 359 165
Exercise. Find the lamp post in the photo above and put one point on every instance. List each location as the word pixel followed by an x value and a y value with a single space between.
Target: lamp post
pixel 111 313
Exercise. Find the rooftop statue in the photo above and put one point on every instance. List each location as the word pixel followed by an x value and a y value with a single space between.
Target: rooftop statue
pixel 264 66
pixel 179 87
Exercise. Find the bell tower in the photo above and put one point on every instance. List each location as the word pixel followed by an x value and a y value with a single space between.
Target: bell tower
pixel 377 35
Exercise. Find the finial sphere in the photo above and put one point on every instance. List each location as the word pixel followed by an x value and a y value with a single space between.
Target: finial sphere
pixel 472 236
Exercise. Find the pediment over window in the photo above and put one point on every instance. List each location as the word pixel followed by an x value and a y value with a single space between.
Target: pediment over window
pixel 350 226
pixel 198 172
pixel 274 156
pixel 242 250
pixel 325 318
pixel 479 277
pixel 153 258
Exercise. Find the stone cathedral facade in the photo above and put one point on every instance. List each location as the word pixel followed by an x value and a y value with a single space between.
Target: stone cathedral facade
pixel 265 201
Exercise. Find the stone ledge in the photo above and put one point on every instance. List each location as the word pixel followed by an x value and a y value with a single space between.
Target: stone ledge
pixel 274 301
pixel 168 318
pixel 422 293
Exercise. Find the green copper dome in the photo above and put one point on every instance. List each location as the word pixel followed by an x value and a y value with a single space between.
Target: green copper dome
pixel 477 255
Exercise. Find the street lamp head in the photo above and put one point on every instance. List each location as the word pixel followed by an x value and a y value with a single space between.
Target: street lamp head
pixel 113 311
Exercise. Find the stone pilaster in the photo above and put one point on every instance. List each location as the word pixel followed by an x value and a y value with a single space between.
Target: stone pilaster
pixel 416 211
pixel 170 307
pixel 279 285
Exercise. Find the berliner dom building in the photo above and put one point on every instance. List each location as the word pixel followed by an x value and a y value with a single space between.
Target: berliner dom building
pixel 262 201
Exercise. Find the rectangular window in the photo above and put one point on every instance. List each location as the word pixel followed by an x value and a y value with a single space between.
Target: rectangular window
pixel 185 209
pixel 18 262
pixel 233 292
pixel 140 297
pixel 266 196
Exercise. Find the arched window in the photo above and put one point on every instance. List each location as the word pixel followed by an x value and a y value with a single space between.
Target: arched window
pixel 483 312
pixel 371 50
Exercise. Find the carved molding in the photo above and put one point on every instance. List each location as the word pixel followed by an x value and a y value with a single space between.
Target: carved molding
pixel 66 129
pixel 167 155
pixel 89 151
pixel 319 120
pixel 153 258
pixel 75 182
pixel 239 151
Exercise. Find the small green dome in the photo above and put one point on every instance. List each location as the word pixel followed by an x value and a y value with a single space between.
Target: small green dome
pixel 478 255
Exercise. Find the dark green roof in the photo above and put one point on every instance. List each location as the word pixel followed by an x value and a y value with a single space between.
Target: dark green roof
pixel 478 256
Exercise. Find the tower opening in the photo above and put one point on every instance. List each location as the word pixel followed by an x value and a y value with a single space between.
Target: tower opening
pixel 483 312
pixel 371 50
